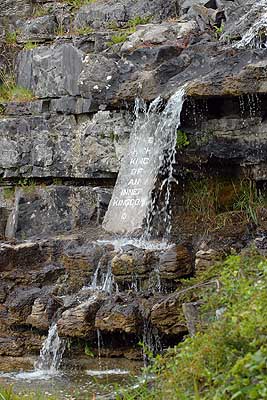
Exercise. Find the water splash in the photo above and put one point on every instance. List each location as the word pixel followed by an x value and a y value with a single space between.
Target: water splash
pixel 51 353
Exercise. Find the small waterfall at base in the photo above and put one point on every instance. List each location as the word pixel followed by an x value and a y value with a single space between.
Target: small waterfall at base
pixel 151 148
pixel 51 353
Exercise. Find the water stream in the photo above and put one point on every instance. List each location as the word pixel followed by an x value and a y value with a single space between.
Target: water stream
pixel 51 353
pixel 151 148
pixel 256 36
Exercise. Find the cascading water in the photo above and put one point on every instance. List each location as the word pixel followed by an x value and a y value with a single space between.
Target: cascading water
pixel 256 35
pixel 151 148
pixel 166 134
pixel 51 353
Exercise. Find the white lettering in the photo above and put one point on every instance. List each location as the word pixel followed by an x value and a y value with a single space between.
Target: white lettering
pixel 134 182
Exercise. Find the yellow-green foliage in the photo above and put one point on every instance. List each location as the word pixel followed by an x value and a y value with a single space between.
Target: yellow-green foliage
pixel 229 360
pixel 7 393
pixel 121 37
pixel 86 30
pixel 11 38
pixel 209 197
pixel 76 4
pixel 9 91
pixel 30 45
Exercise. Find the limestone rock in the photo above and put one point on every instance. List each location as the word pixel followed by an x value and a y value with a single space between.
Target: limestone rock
pixel 103 13
pixel 168 317
pixel 191 312
pixel 50 71
pixel 56 146
pixel 118 315
pixel 23 255
pixel 42 312
pixel 42 211
pixel 158 34
pixel 19 305
pixel 38 29
pixel 11 346
pixel 175 263
pixel 80 321
pixel 206 258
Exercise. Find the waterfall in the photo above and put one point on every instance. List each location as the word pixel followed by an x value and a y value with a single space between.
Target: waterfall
pixel 51 353
pixel 151 148
pixel 256 35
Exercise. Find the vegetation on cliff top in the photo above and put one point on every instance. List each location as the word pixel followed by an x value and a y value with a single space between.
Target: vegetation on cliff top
pixel 228 359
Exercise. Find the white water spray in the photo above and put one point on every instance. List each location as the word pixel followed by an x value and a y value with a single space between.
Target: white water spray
pixel 51 353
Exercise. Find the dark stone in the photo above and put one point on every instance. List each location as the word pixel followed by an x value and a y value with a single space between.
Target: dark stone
pixel 50 71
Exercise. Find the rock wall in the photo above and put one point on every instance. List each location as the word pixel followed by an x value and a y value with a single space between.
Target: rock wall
pixel 61 147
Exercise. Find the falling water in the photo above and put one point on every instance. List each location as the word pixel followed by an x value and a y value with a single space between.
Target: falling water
pixel 151 148
pixel 166 134
pixel 102 281
pixel 51 353
pixel 256 35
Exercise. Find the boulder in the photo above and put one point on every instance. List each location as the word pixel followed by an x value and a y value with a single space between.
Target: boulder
pixel 42 211
pixel 168 317
pixel 50 71
pixel 175 263
pixel 119 315
pixel 158 34
pixel 80 321
pixel 19 304
pixel 38 29
pixel 43 310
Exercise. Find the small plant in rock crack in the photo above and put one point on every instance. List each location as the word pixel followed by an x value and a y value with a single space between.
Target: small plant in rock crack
pixel 181 139
pixel 218 31
pixel 30 45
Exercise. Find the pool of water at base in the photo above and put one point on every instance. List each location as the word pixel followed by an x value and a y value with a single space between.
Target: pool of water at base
pixel 83 379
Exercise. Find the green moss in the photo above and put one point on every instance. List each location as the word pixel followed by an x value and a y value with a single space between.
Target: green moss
pixel 229 360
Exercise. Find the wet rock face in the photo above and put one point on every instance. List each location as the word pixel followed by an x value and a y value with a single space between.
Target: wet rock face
pixel 79 321
pixel 120 314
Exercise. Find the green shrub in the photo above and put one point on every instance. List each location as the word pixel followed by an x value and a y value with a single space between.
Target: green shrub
pixel 7 393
